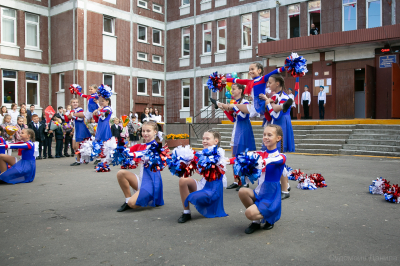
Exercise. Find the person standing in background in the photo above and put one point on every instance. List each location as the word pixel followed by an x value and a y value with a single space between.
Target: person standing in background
pixel 306 101
pixel 14 113
pixel 30 113
pixel 321 102
pixel 291 96
pixel 3 112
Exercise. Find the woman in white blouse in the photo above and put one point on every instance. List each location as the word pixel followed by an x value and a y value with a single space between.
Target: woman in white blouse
pixel 14 113
pixel 156 117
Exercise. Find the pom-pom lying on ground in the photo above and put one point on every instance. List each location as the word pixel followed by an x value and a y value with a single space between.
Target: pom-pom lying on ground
pixel 393 194
pixel 296 174
pixel 379 186
pixel 103 167
pixel 212 163
pixel 182 162
pixel 248 164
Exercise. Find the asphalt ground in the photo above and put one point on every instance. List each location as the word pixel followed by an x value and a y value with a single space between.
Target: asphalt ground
pixel 67 216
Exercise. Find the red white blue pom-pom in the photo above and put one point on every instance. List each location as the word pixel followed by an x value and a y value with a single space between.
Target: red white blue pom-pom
pixel 75 88
pixel 306 183
pixel 212 163
pixel 85 149
pixel 182 162
pixel 296 175
pixel 248 164
pixel 214 82
pixel 319 180
pixel 156 157
pixel 310 182
pixel 393 194
pixel 96 149
pixel 296 65
pixel 287 171
pixel 104 91
pixel 103 167
pixel 379 186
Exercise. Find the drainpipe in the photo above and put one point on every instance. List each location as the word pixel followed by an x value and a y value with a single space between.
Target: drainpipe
pixel 49 51
pixel 194 60
pixel 165 65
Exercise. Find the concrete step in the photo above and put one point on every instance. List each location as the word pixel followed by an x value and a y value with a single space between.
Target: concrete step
pixel 320 141
pixel 374 142
pixel 375 136
pixel 370 153
pixel 327 136
pixel 331 131
pixel 317 151
pixel 299 137
pixel 334 127
pixel 310 146
pixel 380 127
pixel 302 127
pixel 383 148
pixel 377 131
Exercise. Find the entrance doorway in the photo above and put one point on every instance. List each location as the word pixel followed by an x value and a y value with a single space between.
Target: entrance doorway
pixel 359 93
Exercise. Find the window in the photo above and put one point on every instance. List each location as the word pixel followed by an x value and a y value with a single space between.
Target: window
pixel 32 88
pixel 142 33
pixel 221 38
pixel 61 82
pixel 108 80
pixel 156 87
pixel 246 31
pixel 264 25
pixel 142 56
pixel 374 17
pixel 32 30
pixel 185 42
pixel 157 8
pixel 8 26
pixel 157 59
pixel 349 16
pixel 185 2
pixel 207 38
pixel 108 25
pixel 294 21
pixel 9 86
pixel 157 37
pixel 314 15
pixel 185 94
pixel 142 86
pixel 206 97
pixel 142 3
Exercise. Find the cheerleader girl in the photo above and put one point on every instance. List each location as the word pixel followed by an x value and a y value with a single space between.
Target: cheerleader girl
pixel 81 132
pixel 103 132
pixel 264 203
pixel 242 133
pixel 24 170
pixel 92 98
pixel 206 196
pixel 148 187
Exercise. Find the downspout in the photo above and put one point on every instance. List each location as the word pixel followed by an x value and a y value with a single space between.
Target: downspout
pixel 194 60
pixel 165 65
pixel 49 51
pixel 131 102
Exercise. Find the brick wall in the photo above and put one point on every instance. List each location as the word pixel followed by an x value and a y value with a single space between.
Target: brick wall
pixel 62 37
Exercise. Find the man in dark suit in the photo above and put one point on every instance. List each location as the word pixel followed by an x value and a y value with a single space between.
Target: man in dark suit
pixel 38 127
pixel 30 113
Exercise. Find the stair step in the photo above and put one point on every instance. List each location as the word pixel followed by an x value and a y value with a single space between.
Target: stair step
pixel 317 151
pixel 383 148
pixel 370 153
pixel 375 136
pixel 318 146
pixel 380 127
pixel 377 131
pixel 319 141
pixel 374 142
pixel 328 136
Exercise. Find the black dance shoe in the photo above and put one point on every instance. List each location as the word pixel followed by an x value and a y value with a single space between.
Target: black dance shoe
pixel 124 207
pixel 75 164
pixel 285 196
pixel 287 104
pixel 213 101
pixel 184 218
pixel 252 228
pixel 268 226
pixel 233 185
pixel 242 186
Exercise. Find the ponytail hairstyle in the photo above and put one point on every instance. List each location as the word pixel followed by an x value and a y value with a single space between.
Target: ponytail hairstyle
pixel 240 87
pixel 31 133
pixel 94 86
pixel 279 132
pixel 215 134
pixel 108 100
pixel 259 66
pixel 279 78
pixel 155 128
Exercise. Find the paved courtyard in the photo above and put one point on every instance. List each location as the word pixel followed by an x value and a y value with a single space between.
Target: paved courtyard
pixel 67 216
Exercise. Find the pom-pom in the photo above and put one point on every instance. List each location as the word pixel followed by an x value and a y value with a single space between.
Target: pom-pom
pixel 104 91
pixel 182 162
pixel 75 88
pixel 96 149
pixel 393 194
pixel 86 148
pixel 214 82
pixel 287 171
pixel 248 164
pixel 156 157
pixel 296 65
pixel 296 174
pixel 212 163
pixel 379 186
pixel 108 149
pixel 103 167
pixel 306 183
pixel 319 180
pixel 131 164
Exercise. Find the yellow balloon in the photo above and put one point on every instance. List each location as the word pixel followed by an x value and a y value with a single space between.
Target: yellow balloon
pixel 232 102
pixel 229 84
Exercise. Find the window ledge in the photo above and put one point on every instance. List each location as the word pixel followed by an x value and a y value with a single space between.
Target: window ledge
pixel 245 49
pixel 205 1
pixel 143 41
pixel 160 63
pixel 109 34
pixel 204 55
pixel 185 6
pixel 221 52
pixel 33 49
pixel 142 94
pixel 159 45
pixel 61 91
pixel 183 58
pixel 10 45
pixel 156 95
pixel 144 60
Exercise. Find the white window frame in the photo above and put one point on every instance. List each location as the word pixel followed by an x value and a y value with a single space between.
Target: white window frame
pixel 8 105
pixel 113 80
pixel 37 24
pixel 288 19
pixel 37 82
pixel 251 28
pixel 155 5
pixel 139 40
pixel 145 87
pixel 159 87
pixel 183 4
pixel 308 19
pixel 262 20
pixel 366 12
pixel 15 26
pixel 142 1
pixel 205 87
pixel 183 42
pixel 185 97
pixel 157 61
pixel 160 33
pixel 348 4
pixel 141 59
pixel 204 32
pixel 61 76
pixel 112 33
pixel 226 36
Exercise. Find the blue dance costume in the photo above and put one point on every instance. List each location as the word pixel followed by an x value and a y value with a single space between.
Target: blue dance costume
pixel 25 169
pixel 284 121
pixel 92 106
pixel 2 147
pixel 103 132
pixel 150 184
pixel 268 191
pixel 242 133
pixel 81 131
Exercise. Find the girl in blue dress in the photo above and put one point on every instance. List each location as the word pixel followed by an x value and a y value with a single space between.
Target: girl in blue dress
pixel 103 132
pixel 264 203
pixel 24 170
pixel 148 186
pixel 242 133
pixel 206 196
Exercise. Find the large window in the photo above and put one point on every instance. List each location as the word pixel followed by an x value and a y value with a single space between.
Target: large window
pixel 185 2
pixel 9 86
pixel 206 91
pixel 142 86
pixel 246 31
pixel 32 30
pixel 264 25
pixel 349 15
pixel 108 80
pixel 374 13
pixel 294 21
pixel 32 88
pixel 61 82
pixel 185 42
pixel 108 25
pixel 156 37
pixel 207 38
pixel 142 33
pixel 221 38
pixel 8 26
pixel 185 94
pixel 314 15
pixel 156 87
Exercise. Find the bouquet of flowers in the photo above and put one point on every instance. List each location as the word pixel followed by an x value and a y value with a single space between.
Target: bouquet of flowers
pixel 11 130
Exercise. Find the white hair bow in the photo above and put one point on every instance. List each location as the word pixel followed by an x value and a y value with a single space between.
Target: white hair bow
pixel 160 135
